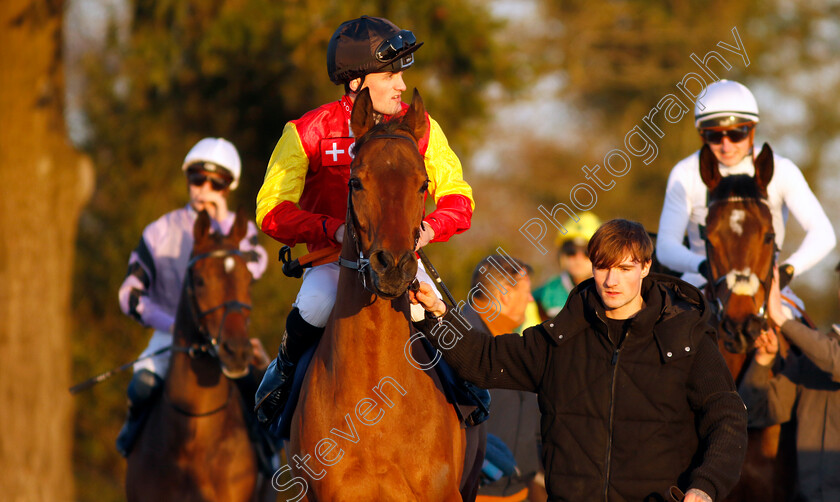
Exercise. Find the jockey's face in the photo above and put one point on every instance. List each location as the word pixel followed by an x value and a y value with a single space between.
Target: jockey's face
pixel 729 153
pixel 207 190
pixel 386 90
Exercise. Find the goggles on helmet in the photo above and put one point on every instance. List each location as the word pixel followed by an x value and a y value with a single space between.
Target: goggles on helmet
pixel 391 48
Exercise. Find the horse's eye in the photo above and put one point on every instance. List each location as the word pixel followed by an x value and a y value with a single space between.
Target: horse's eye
pixel 355 184
pixel 768 238
pixel 424 187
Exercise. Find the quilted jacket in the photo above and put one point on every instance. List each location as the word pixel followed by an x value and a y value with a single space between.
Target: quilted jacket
pixel 620 422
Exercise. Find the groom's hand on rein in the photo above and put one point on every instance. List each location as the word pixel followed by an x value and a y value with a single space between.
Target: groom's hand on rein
pixel 426 297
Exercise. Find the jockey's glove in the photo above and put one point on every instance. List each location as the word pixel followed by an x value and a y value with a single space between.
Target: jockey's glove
pixel 785 275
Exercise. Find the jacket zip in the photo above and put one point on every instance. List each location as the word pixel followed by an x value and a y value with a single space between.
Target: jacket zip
pixel 614 363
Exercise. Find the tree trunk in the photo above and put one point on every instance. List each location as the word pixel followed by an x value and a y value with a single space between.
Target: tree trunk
pixel 43 184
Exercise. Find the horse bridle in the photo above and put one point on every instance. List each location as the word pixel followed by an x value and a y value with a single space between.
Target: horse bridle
pixel 361 264
pixel 713 285
pixel 210 342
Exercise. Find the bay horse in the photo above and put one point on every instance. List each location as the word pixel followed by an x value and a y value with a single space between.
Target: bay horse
pixel 741 249
pixel 369 425
pixel 195 444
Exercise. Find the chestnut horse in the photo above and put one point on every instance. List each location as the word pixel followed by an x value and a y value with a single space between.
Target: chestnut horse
pixel 741 249
pixel 369 425
pixel 195 445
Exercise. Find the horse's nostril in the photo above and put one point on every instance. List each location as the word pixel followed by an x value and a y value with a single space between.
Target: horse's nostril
pixel 381 261
pixel 408 265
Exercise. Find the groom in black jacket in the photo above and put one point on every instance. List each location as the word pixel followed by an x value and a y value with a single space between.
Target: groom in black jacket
pixel 636 400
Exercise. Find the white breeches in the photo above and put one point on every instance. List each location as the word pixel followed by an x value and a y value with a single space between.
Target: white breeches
pixel 316 297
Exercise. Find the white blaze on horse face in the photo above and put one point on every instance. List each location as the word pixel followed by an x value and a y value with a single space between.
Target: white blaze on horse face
pixel 736 220
pixel 742 282
pixel 229 264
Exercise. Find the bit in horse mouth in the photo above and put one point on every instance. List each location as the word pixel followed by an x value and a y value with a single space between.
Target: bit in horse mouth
pixel 235 374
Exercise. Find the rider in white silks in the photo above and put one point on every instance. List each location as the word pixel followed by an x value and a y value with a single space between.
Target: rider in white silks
pixel 726 115
pixel 152 287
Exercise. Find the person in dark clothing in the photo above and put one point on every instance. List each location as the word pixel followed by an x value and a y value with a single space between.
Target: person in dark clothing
pixel 501 292
pixel 636 400
pixel 807 390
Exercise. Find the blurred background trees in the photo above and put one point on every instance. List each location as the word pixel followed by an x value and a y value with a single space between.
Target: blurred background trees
pixel 527 92
pixel 45 184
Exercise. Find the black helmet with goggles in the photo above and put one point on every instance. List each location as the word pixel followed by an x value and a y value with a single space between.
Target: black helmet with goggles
pixel 369 45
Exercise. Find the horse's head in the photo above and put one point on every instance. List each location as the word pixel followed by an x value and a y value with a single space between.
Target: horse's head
pixel 388 183
pixel 218 286
pixel 740 246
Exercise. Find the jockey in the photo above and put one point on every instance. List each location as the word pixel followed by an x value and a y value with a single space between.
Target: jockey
pixel 156 268
pixel 574 261
pixel 726 115
pixel 304 195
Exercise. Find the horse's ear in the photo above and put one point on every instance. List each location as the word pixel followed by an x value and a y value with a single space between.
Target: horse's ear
pixel 415 117
pixel 709 171
pixel 361 119
pixel 240 226
pixel 764 168
pixel 201 229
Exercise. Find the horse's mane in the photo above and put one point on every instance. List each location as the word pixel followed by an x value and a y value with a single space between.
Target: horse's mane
pixel 392 127
pixel 740 186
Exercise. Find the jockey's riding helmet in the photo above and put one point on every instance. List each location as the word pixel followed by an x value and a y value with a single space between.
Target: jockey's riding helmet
pixel 725 103
pixel 369 45
pixel 216 154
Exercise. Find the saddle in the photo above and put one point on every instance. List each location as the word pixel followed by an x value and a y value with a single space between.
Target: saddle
pixel 471 403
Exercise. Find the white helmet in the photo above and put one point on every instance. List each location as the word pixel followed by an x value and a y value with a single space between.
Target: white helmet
pixel 725 103
pixel 216 152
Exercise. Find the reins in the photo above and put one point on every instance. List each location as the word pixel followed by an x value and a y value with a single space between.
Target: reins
pixel 190 414
pixel 194 350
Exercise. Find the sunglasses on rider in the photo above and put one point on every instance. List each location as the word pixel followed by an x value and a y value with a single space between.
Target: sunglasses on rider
pixel 391 48
pixel 199 179
pixel 735 135
pixel 570 248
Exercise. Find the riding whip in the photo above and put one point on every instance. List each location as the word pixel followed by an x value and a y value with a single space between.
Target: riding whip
pixel 434 275
pixel 90 382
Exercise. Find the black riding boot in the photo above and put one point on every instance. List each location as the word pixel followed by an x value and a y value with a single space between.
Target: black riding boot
pixel 143 390
pixel 276 384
